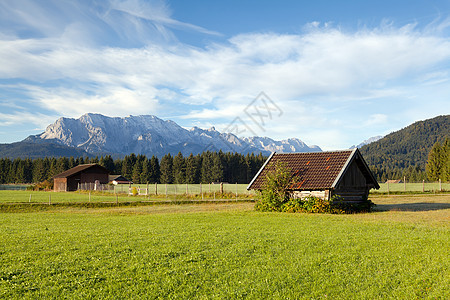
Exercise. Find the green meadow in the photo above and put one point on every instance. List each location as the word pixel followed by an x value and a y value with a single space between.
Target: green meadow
pixel 225 251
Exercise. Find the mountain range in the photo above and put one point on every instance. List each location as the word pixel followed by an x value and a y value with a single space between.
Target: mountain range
pixel 96 134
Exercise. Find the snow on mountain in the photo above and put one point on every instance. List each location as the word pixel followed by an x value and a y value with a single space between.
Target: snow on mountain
pixel 368 141
pixel 151 135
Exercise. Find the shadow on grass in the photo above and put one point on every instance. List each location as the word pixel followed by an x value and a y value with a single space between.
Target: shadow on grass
pixel 420 206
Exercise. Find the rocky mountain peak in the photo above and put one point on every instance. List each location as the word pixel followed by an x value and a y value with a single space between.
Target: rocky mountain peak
pixel 150 135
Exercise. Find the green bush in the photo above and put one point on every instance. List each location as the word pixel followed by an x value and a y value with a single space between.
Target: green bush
pixel 365 205
pixel 46 185
pixel 313 204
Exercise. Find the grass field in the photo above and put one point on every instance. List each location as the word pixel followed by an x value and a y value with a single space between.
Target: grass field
pixel 227 250
pixel 427 187
pixel 9 196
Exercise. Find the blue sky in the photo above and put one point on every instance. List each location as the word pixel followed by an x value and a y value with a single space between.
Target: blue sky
pixel 334 72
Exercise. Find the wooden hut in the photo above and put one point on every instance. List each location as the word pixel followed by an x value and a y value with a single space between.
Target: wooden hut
pixel 323 174
pixel 87 173
pixel 119 179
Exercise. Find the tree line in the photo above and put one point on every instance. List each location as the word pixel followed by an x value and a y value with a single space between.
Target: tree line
pixel 437 167
pixel 206 167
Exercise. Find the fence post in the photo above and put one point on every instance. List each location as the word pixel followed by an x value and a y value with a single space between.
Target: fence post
pixel 156 188
pixel 29 200
pixel 187 189
pixel 423 186
pixel 89 196
pixel 49 199
pixel 201 188
pixel 404 183
pixel 440 185
pixel 221 187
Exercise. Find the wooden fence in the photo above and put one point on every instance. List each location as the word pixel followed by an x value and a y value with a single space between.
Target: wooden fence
pixel 169 189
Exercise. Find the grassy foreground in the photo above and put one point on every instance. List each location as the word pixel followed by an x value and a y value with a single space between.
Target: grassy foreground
pixel 217 251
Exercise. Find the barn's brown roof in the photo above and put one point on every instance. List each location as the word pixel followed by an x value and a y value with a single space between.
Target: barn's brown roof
pixel 313 170
pixel 119 178
pixel 78 169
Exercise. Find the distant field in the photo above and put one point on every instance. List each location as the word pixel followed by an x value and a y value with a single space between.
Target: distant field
pixel 227 251
pixel 8 196
pixel 178 189
pixel 413 187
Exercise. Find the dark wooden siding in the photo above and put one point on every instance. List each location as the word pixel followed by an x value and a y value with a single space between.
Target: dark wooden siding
pixel 353 186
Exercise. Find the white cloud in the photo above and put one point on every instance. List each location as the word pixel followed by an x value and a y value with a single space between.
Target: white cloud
pixel 376 119
pixel 35 118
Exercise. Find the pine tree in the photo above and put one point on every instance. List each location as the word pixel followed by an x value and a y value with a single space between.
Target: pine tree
pixel 39 172
pixel 445 158
pixel 166 168
pixel 207 162
pixel 193 167
pixel 71 162
pixel 137 170
pixel 145 174
pixel 434 163
pixel 217 168
pixel 179 169
pixel 127 167
pixel 107 162
pixel 154 173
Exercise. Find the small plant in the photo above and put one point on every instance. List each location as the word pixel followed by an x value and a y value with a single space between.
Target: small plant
pixel 134 191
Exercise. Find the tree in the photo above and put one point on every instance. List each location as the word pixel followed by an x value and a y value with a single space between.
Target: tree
pixel 179 169
pixel 445 157
pixel 107 162
pixel 193 165
pixel 145 174
pixel 127 167
pixel 434 163
pixel 154 172
pixel 137 170
pixel 275 192
pixel 39 171
pixel 166 169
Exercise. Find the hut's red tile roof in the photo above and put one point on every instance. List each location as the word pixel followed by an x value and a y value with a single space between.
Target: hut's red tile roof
pixel 314 171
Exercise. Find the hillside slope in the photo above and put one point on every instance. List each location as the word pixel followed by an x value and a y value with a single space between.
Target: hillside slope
pixel 33 150
pixel 408 146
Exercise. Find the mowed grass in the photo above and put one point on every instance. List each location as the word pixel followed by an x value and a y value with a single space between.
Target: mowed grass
pixel 227 251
